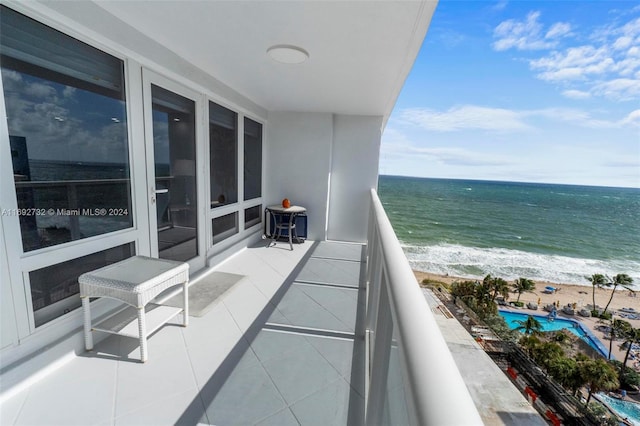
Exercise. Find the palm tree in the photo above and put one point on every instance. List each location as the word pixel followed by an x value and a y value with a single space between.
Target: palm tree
pixel 599 375
pixel 496 286
pixel 623 280
pixel 530 325
pixel 530 343
pixel 619 328
pixel 567 372
pixel 546 353
pixel 631 337
pixel 522 285
pixel 597 280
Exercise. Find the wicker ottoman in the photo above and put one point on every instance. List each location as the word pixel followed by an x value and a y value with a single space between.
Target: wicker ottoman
pixel 135 281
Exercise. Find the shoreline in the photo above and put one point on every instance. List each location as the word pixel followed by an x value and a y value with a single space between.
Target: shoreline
pixel 566 294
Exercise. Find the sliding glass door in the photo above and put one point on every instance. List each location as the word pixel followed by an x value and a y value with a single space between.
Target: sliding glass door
pixel 170 115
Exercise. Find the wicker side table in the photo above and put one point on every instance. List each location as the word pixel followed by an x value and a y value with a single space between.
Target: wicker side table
pixel 135 281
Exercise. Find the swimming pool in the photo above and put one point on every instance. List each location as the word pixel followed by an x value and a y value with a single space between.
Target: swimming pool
pixel 555 325
pixel 625 409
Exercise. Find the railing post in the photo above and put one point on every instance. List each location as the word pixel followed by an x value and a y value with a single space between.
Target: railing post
pixel 380 361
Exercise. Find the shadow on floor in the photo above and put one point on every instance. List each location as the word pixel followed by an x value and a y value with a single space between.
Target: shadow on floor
pixel 302 360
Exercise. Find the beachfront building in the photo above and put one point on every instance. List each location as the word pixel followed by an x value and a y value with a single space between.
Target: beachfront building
pixel 165 129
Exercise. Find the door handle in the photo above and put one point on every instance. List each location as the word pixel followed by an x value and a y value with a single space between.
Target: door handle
pixel 157 191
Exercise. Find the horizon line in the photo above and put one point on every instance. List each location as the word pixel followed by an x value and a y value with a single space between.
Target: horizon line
pixel 512 181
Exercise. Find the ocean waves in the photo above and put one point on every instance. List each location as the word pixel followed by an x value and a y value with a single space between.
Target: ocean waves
pixel 475 262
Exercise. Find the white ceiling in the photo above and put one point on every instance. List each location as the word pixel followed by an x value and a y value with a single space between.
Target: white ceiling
pixel 360 51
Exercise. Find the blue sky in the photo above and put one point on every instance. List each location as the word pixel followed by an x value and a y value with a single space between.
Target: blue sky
pixel 531 91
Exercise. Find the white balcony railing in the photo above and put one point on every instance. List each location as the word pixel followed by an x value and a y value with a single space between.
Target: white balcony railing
pixel 412 377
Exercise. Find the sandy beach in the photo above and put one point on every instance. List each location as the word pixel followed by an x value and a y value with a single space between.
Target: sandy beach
pixel 568 294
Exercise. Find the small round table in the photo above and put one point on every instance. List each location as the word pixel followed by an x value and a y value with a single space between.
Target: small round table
pixel 284 218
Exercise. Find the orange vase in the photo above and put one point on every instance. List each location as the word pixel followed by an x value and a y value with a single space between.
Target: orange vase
pixel 286 203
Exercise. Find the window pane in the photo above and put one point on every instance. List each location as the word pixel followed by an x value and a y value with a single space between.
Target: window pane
pixel 174 149
pixel 223 147
pixel 66 114
pixel 252 216
pixel 224 227
pixel 252 159
pixel 54 289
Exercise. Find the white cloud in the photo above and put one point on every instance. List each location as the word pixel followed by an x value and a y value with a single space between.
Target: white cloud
pixel 39 90
pixel 576 94
pixel 474 117
pixel 618 89
pixel 528 34
pixel 44 114
pixel 633 119
pixel 559 29
pixel 574 63
pixel 69 92
pixel 607 67
pixel 622 42
pixel 396 145
pixel 466 117
pixel 500 5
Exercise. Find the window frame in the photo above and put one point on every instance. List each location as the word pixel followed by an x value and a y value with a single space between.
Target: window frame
pixel 241 205
pixel 21 263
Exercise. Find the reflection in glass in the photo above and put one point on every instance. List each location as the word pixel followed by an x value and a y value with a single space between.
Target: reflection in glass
pixel 174 147
pixel 252 216
pixel 224 227
pixel 54 289
pixel 223 147
pixel 66 114
pixel 395 409
pixel 252 159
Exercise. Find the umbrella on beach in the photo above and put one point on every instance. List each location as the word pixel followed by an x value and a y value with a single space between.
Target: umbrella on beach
pixel 550 288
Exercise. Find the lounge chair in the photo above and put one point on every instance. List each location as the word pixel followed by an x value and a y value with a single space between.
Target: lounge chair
pixel 568 310
pixel 549 307
pixel 532 305
pixel 584 312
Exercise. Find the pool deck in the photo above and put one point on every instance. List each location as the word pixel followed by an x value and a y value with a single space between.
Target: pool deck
pixel 602 347
pixel 498 401
pixel 588 323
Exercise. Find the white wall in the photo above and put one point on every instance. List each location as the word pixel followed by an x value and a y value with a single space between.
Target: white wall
pixel 297 163
pixel 327 163
pixel 354 171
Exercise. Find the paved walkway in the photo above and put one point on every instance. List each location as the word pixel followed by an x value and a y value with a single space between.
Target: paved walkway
pixel 497 399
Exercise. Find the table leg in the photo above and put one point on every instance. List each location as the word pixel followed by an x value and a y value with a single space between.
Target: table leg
pixel 142 330
pixel 291 219
pixel 88 336
pixel 185 299
pixel 276 235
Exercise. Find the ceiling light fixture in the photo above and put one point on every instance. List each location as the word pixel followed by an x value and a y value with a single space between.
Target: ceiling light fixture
pixel 288 54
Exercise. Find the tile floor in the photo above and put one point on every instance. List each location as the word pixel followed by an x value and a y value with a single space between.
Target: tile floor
pixel 284 346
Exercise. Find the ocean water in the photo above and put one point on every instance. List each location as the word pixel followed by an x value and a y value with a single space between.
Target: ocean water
pixel 544 232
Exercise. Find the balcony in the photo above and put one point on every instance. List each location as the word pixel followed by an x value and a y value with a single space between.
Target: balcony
pixel 329 333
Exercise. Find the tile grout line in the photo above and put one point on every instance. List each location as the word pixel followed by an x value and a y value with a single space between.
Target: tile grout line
pixel 24 402
pixel 308 331
pixel 114 411
pixel 195 377
pixel 325 284
pixel 275 386
pixel 336 258
pixel 329 312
